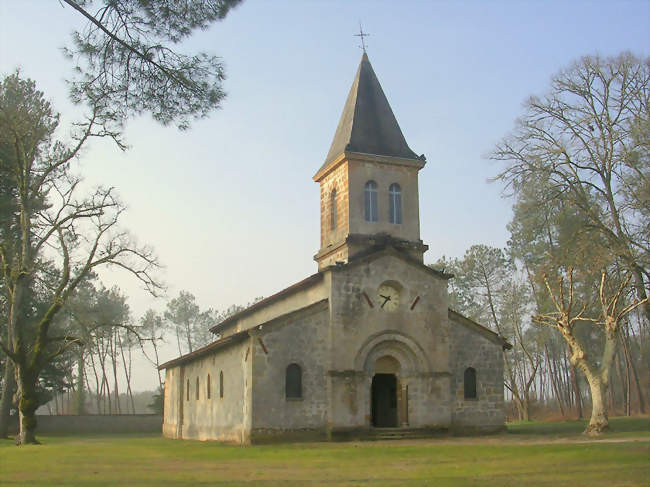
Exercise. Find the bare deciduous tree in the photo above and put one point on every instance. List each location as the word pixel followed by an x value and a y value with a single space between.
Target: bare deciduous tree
pixel 52 218
pixel 586 142
pixel 564 319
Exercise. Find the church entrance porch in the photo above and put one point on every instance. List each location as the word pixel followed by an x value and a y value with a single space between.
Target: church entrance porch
pixel 384 401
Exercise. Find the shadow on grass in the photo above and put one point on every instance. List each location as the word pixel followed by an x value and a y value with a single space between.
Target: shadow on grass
pixel 575 427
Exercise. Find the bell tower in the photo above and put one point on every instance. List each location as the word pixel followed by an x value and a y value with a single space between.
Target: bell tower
pixel 369 181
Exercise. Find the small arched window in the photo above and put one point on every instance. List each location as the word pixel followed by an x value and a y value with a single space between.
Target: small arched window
pixel 395 203
pixel 333 210
pixel 187 391
pixel 370 201
pixel 469 381
pixel 293 382
pixel 197 388
pixel 207 385
pixel 221 384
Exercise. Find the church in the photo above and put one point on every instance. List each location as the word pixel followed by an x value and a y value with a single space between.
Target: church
pixel 366 345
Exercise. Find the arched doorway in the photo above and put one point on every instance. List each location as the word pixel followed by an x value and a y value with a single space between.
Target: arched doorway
pixel 384 400
pixel 395 354
pixel 384 393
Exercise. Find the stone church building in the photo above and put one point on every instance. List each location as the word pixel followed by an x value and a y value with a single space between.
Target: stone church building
pixel 368 342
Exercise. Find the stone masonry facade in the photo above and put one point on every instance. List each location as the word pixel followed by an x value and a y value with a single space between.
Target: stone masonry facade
pixel 472 349
pixel 340 343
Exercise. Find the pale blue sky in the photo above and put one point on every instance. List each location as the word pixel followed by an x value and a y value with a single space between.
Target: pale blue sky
pixel 230 206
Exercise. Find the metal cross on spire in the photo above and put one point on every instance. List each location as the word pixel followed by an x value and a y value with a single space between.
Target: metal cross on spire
pixel 362 34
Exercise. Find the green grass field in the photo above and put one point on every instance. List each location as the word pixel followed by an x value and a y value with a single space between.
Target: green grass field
pixel 531 454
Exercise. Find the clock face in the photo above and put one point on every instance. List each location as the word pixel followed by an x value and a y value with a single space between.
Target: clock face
pixel 388 297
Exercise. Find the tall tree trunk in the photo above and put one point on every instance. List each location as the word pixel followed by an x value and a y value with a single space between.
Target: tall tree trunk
pixel 520 407
pixel 87 382
pixel 127 373
pixel 8 391
pixel 640 287
pixel 525 409
pixel 553 383
pixel 598 382
pixel 618 373
pixel 563 369
pixel 628 381
pixel 80 392
pixel 105 389
pixel 514 388
pixel 188 335
pixel 27 406
pixel 116 390
pixel 155 351
pixel 178 342
pixel 576 391
pixel 599 421
pixel 632 366
pixel 97 386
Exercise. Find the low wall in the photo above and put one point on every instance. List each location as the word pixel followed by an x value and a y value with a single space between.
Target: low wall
pixel 97 423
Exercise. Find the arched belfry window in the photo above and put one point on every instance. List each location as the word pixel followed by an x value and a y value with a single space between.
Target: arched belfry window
pixel 333 209
pixel 395 203
pixel 370 201
pixel 293 382
pixel 469 382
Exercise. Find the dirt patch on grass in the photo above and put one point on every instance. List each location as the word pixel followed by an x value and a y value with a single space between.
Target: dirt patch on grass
pixel 504 439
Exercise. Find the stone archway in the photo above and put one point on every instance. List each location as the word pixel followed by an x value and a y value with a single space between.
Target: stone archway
pixel 404 349
pixel 389 361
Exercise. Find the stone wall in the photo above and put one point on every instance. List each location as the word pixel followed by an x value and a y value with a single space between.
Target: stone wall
pixel 94 424
pixel 299 338
pixel 472 349
pixel 210 412
pixel 335 180
pixel 364 168
pixel 306 295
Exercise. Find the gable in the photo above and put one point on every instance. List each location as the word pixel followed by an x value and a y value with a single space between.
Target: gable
pixel 460 320
pixel 384 250
pixel 213 347
pixel 308 291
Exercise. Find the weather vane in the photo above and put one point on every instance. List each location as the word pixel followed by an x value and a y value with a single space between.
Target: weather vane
pixel 362 35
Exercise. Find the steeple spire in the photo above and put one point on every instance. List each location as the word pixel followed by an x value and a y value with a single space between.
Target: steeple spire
pixel 367 124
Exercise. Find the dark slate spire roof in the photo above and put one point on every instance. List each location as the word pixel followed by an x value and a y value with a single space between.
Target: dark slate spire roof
pixel 367 124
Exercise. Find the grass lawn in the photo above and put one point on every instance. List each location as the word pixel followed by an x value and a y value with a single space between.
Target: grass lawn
pixel 545 454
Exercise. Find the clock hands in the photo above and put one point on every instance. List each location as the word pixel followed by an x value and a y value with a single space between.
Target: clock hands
pixel 386 299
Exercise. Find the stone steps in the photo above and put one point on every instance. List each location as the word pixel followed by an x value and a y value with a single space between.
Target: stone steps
pixel 378 434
